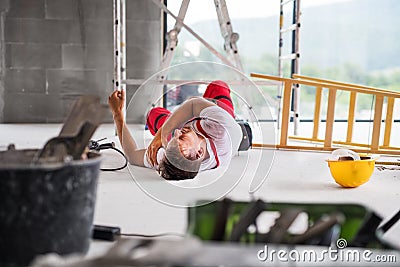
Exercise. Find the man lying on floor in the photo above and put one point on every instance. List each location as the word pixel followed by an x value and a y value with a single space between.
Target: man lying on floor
pixel 199 135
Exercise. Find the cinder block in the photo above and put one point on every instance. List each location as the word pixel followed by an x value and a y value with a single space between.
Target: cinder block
pixel 65 48
pixel 31 108
pixel 25 81
pixel 99 32
pixel 143 32
pixel 141 73
pixel 98 9
pixel 142 10
pixel 62 9
pixel 66 104
pixel 147 57
pixel 26 9
pixel 1 103
pixel 84 9
pixel 4 5
pixel 33 56
pixel 77 82
pixel 140 101
pixel 56 31
pixel 42 31
pixel 87 57
pixel 73 57
pixel 139 104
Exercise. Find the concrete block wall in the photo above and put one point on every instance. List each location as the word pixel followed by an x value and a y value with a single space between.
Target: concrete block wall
pixel 55 50
pixel 4 6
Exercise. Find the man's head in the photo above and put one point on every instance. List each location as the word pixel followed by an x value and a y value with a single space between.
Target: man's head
pixel 183 155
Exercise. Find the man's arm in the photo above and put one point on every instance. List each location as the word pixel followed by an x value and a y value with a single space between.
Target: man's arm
pixel 189 109
pixel 133 153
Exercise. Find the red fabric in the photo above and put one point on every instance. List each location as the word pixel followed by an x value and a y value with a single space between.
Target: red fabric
pixel 218 89
pixel 154 113
pixel 214 90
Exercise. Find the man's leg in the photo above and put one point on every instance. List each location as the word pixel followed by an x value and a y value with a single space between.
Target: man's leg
pixel 156 118
pixel 221 93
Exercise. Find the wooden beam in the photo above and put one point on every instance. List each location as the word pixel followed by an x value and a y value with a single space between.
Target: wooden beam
pixel 377 122
pixel 351 117
pixel 388 121
pixel 287 94
pixel 317 111
pixel 330 118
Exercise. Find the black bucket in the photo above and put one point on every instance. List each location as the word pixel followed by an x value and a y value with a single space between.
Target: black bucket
pixel 45 208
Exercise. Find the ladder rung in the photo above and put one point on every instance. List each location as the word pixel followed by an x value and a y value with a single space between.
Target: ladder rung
pixel 174 82
pixel 290 28
pixel 286 2
pixel 290 56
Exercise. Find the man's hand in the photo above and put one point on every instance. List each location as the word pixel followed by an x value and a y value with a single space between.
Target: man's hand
pixel 116 102
pixel 157 142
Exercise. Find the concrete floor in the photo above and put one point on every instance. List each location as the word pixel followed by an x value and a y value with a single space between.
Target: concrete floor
pixel 138 201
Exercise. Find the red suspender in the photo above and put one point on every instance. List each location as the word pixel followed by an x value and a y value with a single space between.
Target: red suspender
pixel 214 149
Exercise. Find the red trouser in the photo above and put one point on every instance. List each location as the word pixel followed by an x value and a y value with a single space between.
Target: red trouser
pixel 217 90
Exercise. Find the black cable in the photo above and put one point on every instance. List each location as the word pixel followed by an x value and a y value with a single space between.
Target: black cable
pixel 119 168
pixel 152 236
pixel 94 145
pixel 110 233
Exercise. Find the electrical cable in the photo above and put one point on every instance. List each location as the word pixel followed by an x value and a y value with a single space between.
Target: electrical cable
pixel 151 236
pixel 95 145
pixel 119 168
pixel 111 233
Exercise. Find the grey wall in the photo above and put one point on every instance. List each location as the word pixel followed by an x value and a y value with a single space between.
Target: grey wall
pixel 54 50
pixel 4 6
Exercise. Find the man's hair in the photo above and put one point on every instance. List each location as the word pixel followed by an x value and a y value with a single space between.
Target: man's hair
pixel 169 171
pixel 174 166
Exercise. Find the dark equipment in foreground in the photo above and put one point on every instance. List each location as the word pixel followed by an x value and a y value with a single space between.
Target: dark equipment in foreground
pixel 48 196
pixel 229 233
pixel 268 222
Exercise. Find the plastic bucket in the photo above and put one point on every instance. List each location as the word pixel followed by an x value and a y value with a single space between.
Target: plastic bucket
pixel 45 208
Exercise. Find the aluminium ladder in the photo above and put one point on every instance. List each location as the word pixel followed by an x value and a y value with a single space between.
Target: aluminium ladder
pixel 231 59
pixel 230 38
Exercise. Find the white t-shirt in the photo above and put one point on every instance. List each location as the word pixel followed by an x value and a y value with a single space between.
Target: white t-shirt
pixel 223 136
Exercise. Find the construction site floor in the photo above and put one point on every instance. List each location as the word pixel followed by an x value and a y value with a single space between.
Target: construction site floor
pixel 123 198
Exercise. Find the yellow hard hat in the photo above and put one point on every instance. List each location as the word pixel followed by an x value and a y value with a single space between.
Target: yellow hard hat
pixel 352 173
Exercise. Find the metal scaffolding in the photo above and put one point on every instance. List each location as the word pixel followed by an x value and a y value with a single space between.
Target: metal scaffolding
pixel 231 59
pixel 230 39
pixel 119 45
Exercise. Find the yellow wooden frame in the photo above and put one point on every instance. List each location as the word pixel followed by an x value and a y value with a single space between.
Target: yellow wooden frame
pixel 328 143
